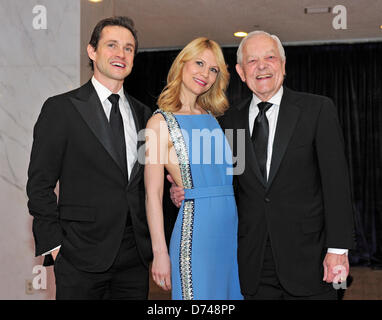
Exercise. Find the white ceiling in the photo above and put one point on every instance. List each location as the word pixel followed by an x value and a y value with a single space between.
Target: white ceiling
pixel 173 23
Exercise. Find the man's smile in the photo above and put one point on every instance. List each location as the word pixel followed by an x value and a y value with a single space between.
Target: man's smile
pixel 264 76
pixel 118 64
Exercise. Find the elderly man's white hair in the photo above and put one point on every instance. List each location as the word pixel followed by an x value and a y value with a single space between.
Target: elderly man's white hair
pixel 239 53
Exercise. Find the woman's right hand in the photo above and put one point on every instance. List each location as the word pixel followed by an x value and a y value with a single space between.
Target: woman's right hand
pixel 161 270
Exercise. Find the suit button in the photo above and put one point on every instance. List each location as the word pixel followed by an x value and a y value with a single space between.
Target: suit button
pixel 267 200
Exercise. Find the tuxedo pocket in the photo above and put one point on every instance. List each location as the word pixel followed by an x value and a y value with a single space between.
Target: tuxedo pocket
pixel 74 213
pixel 313 224
pixel 242 231
pixel 241 236
pixel 300 145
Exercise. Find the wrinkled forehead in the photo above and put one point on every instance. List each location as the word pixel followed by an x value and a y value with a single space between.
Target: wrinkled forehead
pixel 260 44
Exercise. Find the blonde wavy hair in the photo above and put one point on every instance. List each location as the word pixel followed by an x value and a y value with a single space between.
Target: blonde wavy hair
pixel 213 100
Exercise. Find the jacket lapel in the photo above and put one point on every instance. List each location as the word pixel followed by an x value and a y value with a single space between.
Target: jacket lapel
pixel 90 108
pixel 138 120
pixel 286 123
pixel 250 157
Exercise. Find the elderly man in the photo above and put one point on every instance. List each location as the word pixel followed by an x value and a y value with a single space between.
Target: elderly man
pixel 293 198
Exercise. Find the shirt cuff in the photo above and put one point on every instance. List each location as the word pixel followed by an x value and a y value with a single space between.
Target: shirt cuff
pixel 338 251
pixel 48 252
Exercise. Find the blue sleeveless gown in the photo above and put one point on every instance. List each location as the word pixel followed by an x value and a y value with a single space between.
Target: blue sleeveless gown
pixel 203 245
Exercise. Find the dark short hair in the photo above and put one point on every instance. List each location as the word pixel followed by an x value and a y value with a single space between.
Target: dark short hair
pixel 121 21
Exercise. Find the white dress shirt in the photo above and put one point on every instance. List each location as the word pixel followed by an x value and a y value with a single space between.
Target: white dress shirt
pixel 128 125
pixel 272 116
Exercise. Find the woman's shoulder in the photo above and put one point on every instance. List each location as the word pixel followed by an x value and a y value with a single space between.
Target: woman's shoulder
pixel 156 119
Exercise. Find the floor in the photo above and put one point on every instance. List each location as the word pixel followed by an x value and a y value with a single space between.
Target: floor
pixel 366 285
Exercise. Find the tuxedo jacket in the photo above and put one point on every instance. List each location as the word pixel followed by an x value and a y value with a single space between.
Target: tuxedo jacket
pixel 305 206
pixel 73 145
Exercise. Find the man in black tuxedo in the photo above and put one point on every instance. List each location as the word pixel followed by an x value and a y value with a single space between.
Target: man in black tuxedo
pixel 87 139
pixel 293 197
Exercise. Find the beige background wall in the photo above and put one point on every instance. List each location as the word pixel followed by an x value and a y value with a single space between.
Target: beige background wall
pixel 34 64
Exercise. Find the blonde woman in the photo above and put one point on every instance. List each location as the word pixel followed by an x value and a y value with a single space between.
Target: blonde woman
pixel 184 137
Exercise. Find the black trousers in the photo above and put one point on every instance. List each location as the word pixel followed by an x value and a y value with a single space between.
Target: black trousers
pixel 270 287
pixel 127 278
